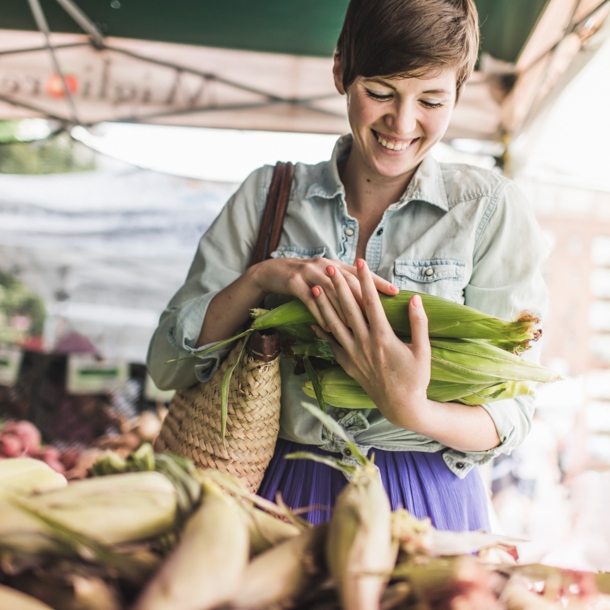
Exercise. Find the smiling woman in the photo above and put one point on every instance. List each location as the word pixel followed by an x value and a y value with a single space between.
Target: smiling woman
pixel 380 214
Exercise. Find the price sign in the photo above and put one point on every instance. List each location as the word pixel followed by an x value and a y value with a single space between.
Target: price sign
pixel 154 394
pixel 86 375
pixel 10 362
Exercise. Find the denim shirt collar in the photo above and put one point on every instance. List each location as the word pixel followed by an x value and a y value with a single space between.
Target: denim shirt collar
pixel 426 185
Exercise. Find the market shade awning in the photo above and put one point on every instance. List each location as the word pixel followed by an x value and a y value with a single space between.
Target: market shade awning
pixel 247 64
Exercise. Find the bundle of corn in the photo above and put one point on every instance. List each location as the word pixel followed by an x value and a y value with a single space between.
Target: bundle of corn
pixel 446 319
pixel 474 355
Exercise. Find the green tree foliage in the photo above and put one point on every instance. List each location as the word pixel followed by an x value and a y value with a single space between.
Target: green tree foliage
pixel 17 299
pixel 57 154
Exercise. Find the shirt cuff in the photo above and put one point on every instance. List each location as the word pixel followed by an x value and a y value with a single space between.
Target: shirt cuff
pixel 183 336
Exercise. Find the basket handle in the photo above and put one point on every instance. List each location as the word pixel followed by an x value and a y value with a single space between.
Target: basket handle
pixel 275 210
pixel 265 347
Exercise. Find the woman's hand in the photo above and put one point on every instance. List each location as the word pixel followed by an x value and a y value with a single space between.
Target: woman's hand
pixel 297 276
pixel 394 374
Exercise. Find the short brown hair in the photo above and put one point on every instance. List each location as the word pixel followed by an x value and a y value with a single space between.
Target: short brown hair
pixel 407 38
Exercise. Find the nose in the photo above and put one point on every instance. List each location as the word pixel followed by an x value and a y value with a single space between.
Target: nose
pixel 403 120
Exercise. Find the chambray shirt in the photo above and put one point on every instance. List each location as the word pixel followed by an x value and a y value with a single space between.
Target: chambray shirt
pixel 458 232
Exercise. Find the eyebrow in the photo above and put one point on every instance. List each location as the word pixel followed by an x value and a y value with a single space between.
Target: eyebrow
pixel 386 84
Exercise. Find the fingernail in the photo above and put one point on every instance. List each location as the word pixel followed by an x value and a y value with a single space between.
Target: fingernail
pixel 316 291
pixel 313 328
pixel 330 270
pixel 328 329
pixel 394 288
pixel 416 301
pixel 359 264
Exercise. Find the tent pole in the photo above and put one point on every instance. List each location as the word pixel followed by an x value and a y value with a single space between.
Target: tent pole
pixel 43 26
pixel 83 20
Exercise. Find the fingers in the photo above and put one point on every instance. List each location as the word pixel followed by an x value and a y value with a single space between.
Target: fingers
pixel 420 340
pixel 332 295
pixel 374 312
pixel 350 306
pixel 332 320
pixel 380 284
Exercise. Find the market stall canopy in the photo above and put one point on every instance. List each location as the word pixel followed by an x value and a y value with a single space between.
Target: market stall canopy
pixel 263 64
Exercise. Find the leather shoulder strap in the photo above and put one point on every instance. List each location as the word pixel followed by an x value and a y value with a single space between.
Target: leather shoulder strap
pixel 275 210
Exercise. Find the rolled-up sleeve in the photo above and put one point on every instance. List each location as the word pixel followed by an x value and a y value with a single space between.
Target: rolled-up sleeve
pixel 223 254
pixel 506 281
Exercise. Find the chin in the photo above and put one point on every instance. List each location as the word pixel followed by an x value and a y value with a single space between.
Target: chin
pixel 395 170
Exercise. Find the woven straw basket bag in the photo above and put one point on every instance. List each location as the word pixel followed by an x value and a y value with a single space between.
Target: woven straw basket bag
pixel 192 427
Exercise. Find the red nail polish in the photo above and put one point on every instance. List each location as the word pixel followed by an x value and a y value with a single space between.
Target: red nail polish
pixel 330 270
pixel 359 264
pixel 316 291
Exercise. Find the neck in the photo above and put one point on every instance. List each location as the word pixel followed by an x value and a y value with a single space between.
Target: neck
pixel 366 192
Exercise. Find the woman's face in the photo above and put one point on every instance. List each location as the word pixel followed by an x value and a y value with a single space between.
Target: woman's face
pixel 396 121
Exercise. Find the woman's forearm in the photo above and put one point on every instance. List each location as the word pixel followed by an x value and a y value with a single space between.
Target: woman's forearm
pixel 458 426
pixel 230 309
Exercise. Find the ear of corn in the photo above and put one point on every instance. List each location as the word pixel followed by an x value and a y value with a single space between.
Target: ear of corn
pixel 203 570
pixel 266 531
pixel 360 552
pixel 446 319
pixel 341 390
pixel 109 510
pixel 277 577
pixel 479 362
pixel 27 475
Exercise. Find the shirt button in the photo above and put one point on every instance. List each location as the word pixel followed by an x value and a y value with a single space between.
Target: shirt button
pixel 460 465
pixel 380 232
pixel 347 452
pixel 429 271
pixel 349 231
pixel 340 414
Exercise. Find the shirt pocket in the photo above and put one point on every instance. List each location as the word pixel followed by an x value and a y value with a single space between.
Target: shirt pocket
pixel 439 277
pixel 296 252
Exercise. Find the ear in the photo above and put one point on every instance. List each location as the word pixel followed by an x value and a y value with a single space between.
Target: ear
pixel 338 74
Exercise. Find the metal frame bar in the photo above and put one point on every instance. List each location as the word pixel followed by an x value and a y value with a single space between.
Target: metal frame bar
pixel 49 115
pixel 97 38
pixel 272 99
pixel 43 26
pixel 57 47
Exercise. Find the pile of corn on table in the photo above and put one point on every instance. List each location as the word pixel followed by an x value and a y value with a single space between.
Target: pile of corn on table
pixel 152 533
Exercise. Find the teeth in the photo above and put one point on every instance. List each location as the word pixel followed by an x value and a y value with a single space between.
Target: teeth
pixel 391 145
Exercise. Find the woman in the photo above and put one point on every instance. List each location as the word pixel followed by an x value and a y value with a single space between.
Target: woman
pixel 381 215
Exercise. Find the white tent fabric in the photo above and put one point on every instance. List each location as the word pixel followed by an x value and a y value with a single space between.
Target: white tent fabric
pixel 106 249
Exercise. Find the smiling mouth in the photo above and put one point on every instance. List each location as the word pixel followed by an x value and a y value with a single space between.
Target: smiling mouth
pixel 392 144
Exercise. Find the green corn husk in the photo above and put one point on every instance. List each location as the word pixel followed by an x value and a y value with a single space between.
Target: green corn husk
pixel 470 372
pixel 479 362
pixel 446 319
pixel 341 390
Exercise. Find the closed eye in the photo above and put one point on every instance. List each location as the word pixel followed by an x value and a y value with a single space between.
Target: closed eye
pixel 378 96
pixel 431 104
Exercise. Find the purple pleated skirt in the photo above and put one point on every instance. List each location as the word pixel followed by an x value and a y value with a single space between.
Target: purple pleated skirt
pixel 417 481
